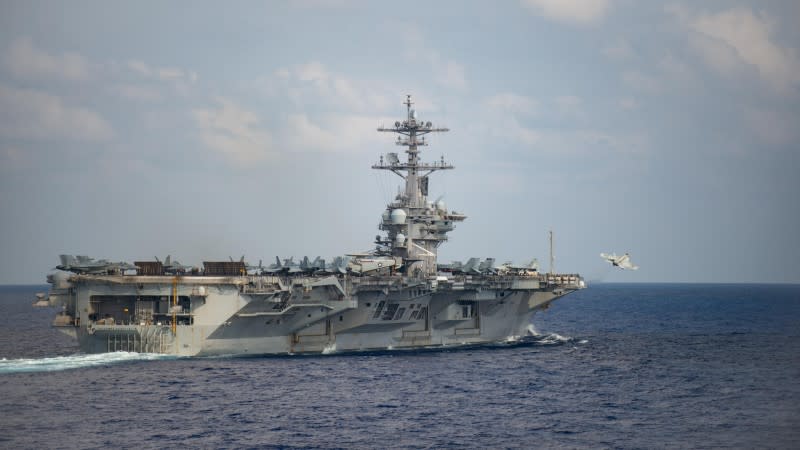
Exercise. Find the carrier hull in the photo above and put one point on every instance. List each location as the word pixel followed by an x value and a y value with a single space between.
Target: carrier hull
pixel 207 316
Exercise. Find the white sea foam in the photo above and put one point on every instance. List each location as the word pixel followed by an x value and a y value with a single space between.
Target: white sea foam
pixel 553 338
pixel 57 363
pixel 330 348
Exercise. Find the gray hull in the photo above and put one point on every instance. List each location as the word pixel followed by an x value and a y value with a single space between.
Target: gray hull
pixel 203 316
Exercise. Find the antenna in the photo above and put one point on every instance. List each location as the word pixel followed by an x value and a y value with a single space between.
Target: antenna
pixel 551 252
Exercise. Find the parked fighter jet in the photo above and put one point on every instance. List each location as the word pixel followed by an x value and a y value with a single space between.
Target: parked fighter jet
pixel 85 265
pixel 288 266
pixel 623 262
pixel 173 267
pixel 457 267
pixel 339 265
pixel 509 267
pixel 251 270
pixel 454 266
pixel 312 266
pixel 487 266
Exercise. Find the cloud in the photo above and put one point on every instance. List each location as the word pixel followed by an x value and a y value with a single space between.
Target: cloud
pixel 580 12
pixel 641 81
pixel 675 69
pixel 513 103
pixel 181 80
pixel 25 60
pixel 137 92
pixel 738 38
pixel 628 103
pixel 29 114
pixel 620 50
pixel 331 133
pixel 233 132
pixel 449 74
pixel 446 72
pixel 313 83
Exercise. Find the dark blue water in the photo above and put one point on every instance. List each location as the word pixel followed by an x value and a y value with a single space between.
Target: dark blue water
pixel 624 366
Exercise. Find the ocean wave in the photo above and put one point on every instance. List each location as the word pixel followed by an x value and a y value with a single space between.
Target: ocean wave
pixel 58 363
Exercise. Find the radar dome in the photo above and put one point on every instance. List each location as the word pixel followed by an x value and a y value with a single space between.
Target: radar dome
pixel 441 206
pixel 400 239
pixel 398 217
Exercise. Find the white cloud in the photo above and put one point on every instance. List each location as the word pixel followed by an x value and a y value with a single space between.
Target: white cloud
pixel 308 135
pixel 450 74
pixel 620 50
pixel 331 133
pixel 30 114
pixel 446 72
pixel 628 103
pixel 513 103
pixel 313 83
pixel 641 81
pixel 26 60
pixel 675 69
pixel 137 92
pixel 234 132
pixel 165 74
pixel 313 71
pixel 739 38
pixel 579 12
pixel 522 134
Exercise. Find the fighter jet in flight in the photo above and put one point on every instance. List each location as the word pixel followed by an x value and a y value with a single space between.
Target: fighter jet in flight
pixel 623 262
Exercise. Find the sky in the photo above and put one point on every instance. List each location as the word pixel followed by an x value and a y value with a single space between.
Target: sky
pixel 203 130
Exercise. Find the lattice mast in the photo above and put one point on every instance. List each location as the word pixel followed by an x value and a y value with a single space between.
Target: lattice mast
pixel 415 227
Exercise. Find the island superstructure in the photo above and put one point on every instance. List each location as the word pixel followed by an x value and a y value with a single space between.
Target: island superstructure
pixel 395 296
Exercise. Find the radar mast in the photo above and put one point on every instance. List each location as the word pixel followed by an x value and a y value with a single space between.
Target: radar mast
pixel 415 227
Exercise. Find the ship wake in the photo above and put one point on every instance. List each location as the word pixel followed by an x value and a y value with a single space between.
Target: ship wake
pixel 58 363
pixel 536 338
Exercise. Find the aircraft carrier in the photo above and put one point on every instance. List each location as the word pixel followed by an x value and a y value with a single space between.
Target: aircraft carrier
pixel 395 296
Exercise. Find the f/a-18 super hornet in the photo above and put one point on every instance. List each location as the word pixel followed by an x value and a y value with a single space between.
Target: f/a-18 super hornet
pixel 87 265
pixel 250 269
pixel 287 266
pixel 511 268
pixel 623 262
pixel 173 267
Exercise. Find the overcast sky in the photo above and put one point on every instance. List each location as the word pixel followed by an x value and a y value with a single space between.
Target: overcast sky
pixel 208 129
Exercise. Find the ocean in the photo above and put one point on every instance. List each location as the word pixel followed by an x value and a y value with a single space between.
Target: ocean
pixel 612 366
